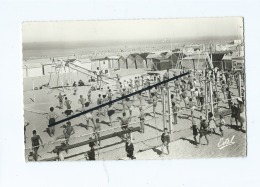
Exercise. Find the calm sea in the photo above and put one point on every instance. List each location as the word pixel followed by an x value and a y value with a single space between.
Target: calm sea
pixel 68 49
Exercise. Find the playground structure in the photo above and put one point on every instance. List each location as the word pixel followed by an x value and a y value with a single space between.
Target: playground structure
pixel 63 80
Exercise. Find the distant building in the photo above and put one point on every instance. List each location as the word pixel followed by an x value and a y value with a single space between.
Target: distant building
pixel 141 61
pixel 131 61
pixel 114 62
pixel 122 62
pixel 47 67
pixel 84 63
pixel 157 62
pixel 227 63
pixel 101 62
pixel 32 70
pixel 196 61
pixel 151 59
pixel 217 59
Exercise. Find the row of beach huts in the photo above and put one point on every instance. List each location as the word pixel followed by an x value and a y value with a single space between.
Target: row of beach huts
pixel 146 61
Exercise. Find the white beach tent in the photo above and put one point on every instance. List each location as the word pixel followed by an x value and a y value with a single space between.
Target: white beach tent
pixel 33 69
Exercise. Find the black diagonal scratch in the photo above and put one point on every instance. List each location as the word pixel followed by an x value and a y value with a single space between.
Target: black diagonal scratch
pixel 118 99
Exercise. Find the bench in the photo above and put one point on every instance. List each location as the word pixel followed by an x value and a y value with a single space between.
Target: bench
pixel 67 147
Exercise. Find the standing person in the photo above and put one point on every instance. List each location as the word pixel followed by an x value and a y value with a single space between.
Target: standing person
pixel 201 98
pixel 67 132
pixel 110 112
pixel 99 102
pixel 124 93
pixel 67 103
pixel 221 125
pixel 130 106
pixel 89 95
pixel 104 101
pixel 75 88
pixel 241 112
pixel 52 116
pixel 165 138
pixel 203 129
pixel 184 97
pixel 196 94
pixel 192 107
pixel 141 117
pixel 124 122
pixel 212 123
pixel 88 116
pixel 234 112
pixel 109 95
pixel 129 147
pixel 154 102
pixel 60 98
pixel 175 110
pixel 36 139
pixel 140 98
pixel 97 129
pixel 137 83
pixel 195 131
pixel 90 155
pixel 82 101
pixel 229 97
pixel 177 89
pixel 99 78
pixel 223 88
pixel 172 98
pixel 216 99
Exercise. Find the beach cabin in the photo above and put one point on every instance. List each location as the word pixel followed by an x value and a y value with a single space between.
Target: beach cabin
pixel 156 62
pixel 47 67
pixel 84 63
pixel 114 62
pixel 151 60
pixel 33 69
pixel 163 64
pixel 172 58
pixel 131 61
pixel 141 62
pixel 122 62
pixel 227 62
pixel 102 62
pixel 196 61
pixel 217 59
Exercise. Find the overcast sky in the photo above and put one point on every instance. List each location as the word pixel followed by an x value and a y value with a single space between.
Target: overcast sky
pixel 131 29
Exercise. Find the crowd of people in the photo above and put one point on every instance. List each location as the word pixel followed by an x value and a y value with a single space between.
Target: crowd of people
pixel 190 93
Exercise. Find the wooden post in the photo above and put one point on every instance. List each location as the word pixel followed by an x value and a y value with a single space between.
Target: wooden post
pixel 169 109
pixel 239 85
pixel 163 105
pixel 211 97
pixel 206 98
pixel 194 68
pixel 33 91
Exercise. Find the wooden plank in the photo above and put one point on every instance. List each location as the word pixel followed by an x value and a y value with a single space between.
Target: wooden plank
pixel 224 113
pixel 130 129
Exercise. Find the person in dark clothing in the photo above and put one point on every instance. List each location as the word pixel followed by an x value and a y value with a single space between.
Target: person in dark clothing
pixel 36 139
pixel 90 155
pixel 203 129
pixel 129 147
pixel 229 97
pixel 195 131
pixel 165 138
pixel 234 113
